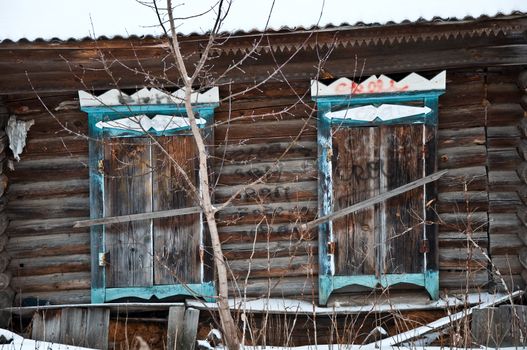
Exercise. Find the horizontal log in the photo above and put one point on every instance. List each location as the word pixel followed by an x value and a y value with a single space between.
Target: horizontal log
pixel 267 152
pixel 504 159
pixel 504 180
pixel 462 258
pixel 504 202
pixel 463 222
pixel 28 298
pixel 460 280
pixel 499 132
pixel 504 223
pixel 502 92
pixel 504 114
pixel 268 192
pixel 461 137
pixel 464 179
pixel 503 244
pixel 45 226
pixel 299 287
pixel 463 93
pixel 507 264
pixel 48 245
pixel 462 239
pixel 462 117
pixel 275 212
pixel 462 157
pixel 283 171
pixel 275 267
pixel 263 232
pixel 261 109
pixel 49 264
pixel 55 188
pixel 54 282
pixel 268 131
pixel 462 201
pixel 71 206
pixel 56 145
pixel 270 250
pixel 513 282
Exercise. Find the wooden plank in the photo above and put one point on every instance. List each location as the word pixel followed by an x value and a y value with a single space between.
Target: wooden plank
pixel 377 199
pixel 36 265
pixel 73 326
pixel 176 315
pixel 464 179
pixel 461 137
pixel 356 174
pixel 176 239
pixel 462 157
pixel 128 190
pixel 187 337
pixel 402 151
pixel 97 327
pixel 52 282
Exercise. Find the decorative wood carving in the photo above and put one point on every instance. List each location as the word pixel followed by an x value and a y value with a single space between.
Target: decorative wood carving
pixel 383 112
pixel 144 123
pixel 379 85
pixel 146 96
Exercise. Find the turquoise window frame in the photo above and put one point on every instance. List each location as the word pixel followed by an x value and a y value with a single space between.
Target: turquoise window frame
pixel 99 292
pixel 429 279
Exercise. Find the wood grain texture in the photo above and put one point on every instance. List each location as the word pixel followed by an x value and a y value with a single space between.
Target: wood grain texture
pixel 405 214
pixel 128 190
pixel 176 239
pixel 356 177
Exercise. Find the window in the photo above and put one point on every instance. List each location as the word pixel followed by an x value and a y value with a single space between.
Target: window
pixel 137 144
pixel 375 137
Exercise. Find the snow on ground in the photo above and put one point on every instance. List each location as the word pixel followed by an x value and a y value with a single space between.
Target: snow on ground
pixel 17 342
pixel 64 19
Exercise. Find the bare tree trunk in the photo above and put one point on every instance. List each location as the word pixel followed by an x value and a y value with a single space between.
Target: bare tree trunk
pixel 229 328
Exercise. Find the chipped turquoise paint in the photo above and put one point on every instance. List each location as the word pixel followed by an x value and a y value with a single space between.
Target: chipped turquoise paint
pixel 328 282
pixel 204 290
pixel 99 292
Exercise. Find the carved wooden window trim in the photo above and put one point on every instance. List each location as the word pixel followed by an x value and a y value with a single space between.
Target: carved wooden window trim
pixel 117 117
pixel 383 105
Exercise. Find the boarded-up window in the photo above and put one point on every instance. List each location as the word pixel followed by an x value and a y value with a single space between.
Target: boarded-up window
pixel 141 176
pixel 370 145
pixel 141 164
pixel 385 238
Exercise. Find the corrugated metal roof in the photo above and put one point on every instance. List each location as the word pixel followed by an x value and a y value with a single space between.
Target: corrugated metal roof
pixel 59 21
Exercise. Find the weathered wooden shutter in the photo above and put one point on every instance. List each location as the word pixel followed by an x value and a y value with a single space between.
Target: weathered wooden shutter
pixel 386 238
pixel 139 176
pixel 177 239
pixel 128 190
pixel 374 137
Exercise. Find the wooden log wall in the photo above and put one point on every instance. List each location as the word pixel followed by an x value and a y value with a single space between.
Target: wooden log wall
pixel 268 136
pixel 6 292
